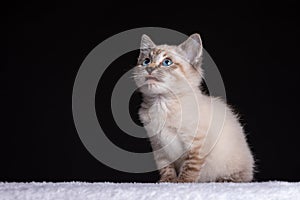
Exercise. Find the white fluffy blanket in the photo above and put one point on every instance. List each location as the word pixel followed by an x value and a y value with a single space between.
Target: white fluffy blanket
pixel 142 191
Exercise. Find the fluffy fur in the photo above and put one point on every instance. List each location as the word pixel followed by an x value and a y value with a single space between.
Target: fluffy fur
pixel 195 138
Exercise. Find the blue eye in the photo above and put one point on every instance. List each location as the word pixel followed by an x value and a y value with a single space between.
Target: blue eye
pixel 146 62
pixel 167 62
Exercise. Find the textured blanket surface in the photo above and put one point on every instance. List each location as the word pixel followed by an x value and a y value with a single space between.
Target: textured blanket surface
pixel 142 191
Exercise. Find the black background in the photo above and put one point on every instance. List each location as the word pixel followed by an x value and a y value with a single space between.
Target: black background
pixel 255 46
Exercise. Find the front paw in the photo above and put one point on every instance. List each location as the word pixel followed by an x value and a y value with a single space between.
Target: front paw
pixel 186 180
pixel 169 179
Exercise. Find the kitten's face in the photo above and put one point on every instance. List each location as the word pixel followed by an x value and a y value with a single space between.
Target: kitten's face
pixel 163 69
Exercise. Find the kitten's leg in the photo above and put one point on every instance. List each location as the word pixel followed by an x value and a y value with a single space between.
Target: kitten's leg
pixel 191 166
pixel 166 169
pixel 168 174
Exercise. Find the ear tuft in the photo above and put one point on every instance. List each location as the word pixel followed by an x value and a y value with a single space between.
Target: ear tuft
pixel 192 48
pixel 146 42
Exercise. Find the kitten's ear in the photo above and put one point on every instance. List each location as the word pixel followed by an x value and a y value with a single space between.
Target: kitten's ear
pixel 192 48
pixel 146 42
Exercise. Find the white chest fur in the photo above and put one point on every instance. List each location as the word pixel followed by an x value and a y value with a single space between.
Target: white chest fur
pixel 163 122
pixel 157 115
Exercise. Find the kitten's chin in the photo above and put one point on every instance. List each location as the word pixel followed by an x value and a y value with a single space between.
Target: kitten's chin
pixel 153 87
pixel 151 82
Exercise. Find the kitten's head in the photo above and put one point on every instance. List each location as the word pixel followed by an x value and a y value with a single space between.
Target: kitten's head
pixel 162 69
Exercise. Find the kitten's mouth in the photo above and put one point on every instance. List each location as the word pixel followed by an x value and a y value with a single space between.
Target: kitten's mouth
pixel 150 78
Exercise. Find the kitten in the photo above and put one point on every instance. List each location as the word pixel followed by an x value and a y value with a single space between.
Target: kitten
pixel 195 138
